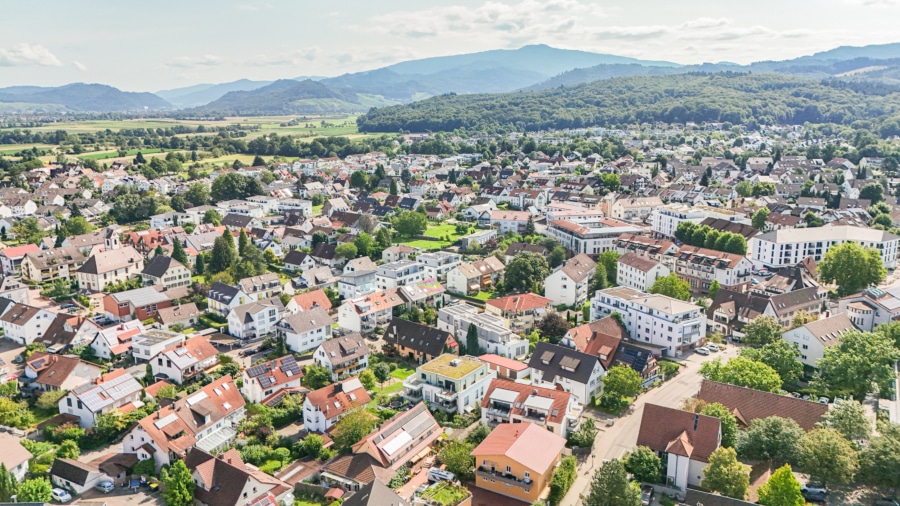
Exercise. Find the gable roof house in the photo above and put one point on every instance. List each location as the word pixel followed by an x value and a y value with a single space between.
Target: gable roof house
pixel 256 319
pixel 565 369
pixel 14 456
pixel 522 311
pixel 568 284
pixel 813 338
pixel 264 383
pixel 346 355
pixel 116 340
pixel 600 338
pixel 685 440
pixel 109 267
pixel 68 331
pixel 400 439
pixel 308 300
pixel 186 315
pixel 76 476
pixel 23 324
pixel 297 260
pixel 747 404
pixel 206 419
pixel 183 361
pixel 375 493
pixel 167 272
pixel 225 480
pixel 306 330
pixel 114 390
pixel 364 313
pixel 222 298
pixel 11 258
pixel 469 278
pixel 324 407
pixel 417 342
pixel 47 265
pixel 513 402
pixel 48 372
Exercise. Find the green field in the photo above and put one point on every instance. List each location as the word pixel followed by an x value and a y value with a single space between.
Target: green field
pixel 401 372
pixel 103 155
pixel 427 245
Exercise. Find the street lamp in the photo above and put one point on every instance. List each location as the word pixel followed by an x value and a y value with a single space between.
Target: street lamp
pixel 592 460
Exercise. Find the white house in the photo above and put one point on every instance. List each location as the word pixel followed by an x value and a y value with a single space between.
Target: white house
pixel 306 330
pixel 638 271
pixel 450 383
pixel 256 319
pixel 437 264
pixel 266 380
pixel 344 356
pixel 684 440
pixel 569 283
pixel 14 456
pixel 562 368
pixel 813 338
pixel 364 314
pixel 113 390
pixel 183 361
pixel 147 344
pixel 116 340
pixel 786 247
pixel 399 273
pixel 325 407
pixel 493 335
pixel 509 221
pixel 223 298
pixel 23 324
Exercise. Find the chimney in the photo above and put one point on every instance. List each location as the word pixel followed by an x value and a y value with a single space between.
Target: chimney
pixel 338 387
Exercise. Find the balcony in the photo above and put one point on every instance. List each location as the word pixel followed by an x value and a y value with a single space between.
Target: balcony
pixel 502 414
pixel 509 479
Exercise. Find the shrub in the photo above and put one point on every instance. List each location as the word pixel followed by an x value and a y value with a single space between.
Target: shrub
pixel 563 478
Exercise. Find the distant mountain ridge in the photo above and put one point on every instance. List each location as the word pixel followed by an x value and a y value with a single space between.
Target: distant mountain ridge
pixel 81 97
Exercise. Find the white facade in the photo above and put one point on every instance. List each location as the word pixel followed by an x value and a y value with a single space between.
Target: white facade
pixel 306 330
pixel 781 248
pixel 438 263
pixel 399 273
pixel 453 393
pixel 664 220
pixel 589 237
pixel 493 336
pixel 26 329
pixel 637 278
pixel 657 319
pixel 147 345
pixel 253 320
pixel 356 284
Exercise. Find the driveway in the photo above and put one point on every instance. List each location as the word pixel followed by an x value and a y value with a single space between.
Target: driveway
pixel 124 496
pixel 615 441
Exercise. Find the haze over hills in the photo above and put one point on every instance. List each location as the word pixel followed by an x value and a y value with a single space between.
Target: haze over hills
pixel 80 97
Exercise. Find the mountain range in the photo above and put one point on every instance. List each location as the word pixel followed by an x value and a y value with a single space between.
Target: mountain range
pixel 532 67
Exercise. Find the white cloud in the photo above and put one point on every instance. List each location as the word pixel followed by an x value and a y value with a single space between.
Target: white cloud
pixel 28 54
pixel 78 65
pixel 207 60
pixel 697 29
pixel 296 57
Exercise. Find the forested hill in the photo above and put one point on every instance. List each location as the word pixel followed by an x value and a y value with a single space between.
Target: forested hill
pixel 724 97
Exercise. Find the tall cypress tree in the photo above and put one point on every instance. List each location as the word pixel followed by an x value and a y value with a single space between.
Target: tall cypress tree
pixel 178 252
pixel 472 347
pixel 243 243
pixel 7 484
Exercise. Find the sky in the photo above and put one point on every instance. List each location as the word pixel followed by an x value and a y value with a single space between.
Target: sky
pixel 162 44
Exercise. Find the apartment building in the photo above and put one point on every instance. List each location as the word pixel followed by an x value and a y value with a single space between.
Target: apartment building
pixel 399 273
pixel 569 284
pixel 787 247
pixel 701 266
pixel 590 237
pixel 512 402
pixel 638 271
pixel 521 311
pixel 47 265
pixel 566 369
pixel 493 334
pixel 450 383
pixel 343 356
pixel 306 330
pixel 872 307
pixel 364 314
pixel 437 264
pixel 664 220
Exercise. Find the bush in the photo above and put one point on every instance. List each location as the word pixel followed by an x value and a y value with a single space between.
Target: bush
pixel 668 368
pixel 563 478
pixel 145 467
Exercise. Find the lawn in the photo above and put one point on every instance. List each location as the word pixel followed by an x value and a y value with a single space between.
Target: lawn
pixel 428 245
pixel 317 210
pixel 444 229
pixel 483 296
pixel 392 388
pixel 446 493
pixel 401 372
pixel 102 155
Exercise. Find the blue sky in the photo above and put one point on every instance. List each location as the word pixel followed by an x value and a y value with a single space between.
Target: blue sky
pixel 148 46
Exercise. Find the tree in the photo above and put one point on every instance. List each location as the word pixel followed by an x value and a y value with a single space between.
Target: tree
pixel 600 279
pixel 802 318
pixel 743 372
pixel 611 181
pixel 139 159
pixel 529 227
pixel 610 487
pixel 851 267
pixel 197 194
pixel 781 356
pixel 367 378
pixel 28 230
pixel 316 376
pixel 347 251
pixel 620 382
pixel 563 478
pixel 891 331
pixel 40 490
pixel 610 261
pixel 714 288
pixel 557 256
pixel 827 457
pixel 179 490
pixel 725 475
pixel 318 238
pixel 352 427
pixel 759 218
pixel 311 445
pixel 773 439
pixel 200 264
pixel 50 400
pixel 584 436
pixel 223 253
pixel 232 186
pixel 873 192
pixel 478 434
pixel 782 489
pixel 472 346
pixel 212 217
pixel 744 189
pixel 68 449
pixel 364 244
pixel 860 363
pixel 394 190
pixel 879 462
pixel 762 330
pixel 849 418
pixel 159 251
pixel 358 180
pixel 672 286
pixel 644 464
pixel 456 455
pixel 553 327
pixel 258 161
pixel 526 273
pixel 382 372
pixel 729 422
pixel 8 484
pixel 178 253
pixel 410 223
pixel 813 220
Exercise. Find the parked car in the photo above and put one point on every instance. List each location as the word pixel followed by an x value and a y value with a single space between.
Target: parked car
pixel 105 486
pixel 813 493
pixel 713 347
pixel 646 495
pixel 436 475
pixel 67 305
pixel 703 350
pixel 60 495
pixel 823 400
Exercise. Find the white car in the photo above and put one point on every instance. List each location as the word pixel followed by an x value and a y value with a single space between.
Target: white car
pixel 105 486
pixel 713 347
pixel 60 495
pixel 703 350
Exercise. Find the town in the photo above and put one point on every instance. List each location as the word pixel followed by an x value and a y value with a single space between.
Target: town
pixel 691 313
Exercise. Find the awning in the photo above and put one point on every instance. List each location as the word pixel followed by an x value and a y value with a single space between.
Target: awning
pixel 421 455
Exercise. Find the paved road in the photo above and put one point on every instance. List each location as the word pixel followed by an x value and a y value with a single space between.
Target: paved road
pixel 615 441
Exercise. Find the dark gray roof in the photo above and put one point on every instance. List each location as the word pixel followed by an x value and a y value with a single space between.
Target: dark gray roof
pixel 222 293
pixel 554 360
pixel 236 220
pixel 323 250
pixel 159 265
pixel 418 337
pixel 72 470
pixel 295 257
pixel 784 302
pixel 375 494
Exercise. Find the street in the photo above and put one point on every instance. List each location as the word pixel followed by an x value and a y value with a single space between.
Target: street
pixel 615 441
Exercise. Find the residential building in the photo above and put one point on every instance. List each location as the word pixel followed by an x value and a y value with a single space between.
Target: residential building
pixel 113 265
pixel 357 284
pixel 512 402
pixel 476 239
pixel 684 440
pixel 493 335
pixel 11 258
pixel 438 263
pixel 308 300
pixel 364 314
pixel 14 456
pixel 506 368
pixel 223 298
pixel 225 480
pixel 326 406
pixel 646 246
pixel 115 390
pixel 664 220
pixel 116 341
pixel 297 260
pixel 634 208
pixel 600 338
pixel 867 309
pixel 522 311
pixel 729 311
pixel 78 477
pixel 399 252
pixel 657 319
pixel 185 315
pixel 429 292
pixel 783 248
pixel 45 266
pixel 266 381
pixel 23 324
pixel 509 221
pixel 470 278
pixel 68 331
pixel 590 237
pixel 256 319
pixel 306 330
pixel 150 343
pixel 517 460
pixel 400 439
pixel 748 404
pixel 814 337
pixel 569 283
pixel 206 419
pixel 375 493
pixel 638 271
pixel 183 361
pixel 48 372
pixel 566 369
pixel 417 342
pixel 399 273
pixel 167 272
pixel 262 286
pixel 450 383
pixel 140 303
pixel 344 356
pixel 701 266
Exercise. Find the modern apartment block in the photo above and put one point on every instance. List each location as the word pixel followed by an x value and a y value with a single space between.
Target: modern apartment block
pixel 450 383
pixel 493 335
pixel 786 247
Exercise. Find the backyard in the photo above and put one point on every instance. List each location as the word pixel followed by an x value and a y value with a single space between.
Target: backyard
pixel 446 494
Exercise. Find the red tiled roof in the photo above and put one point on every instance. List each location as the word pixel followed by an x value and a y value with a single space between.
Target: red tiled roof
pixel 668 429
pixel 309 300
pixel 333 402
pixel 749 404
pixel 520 302
pixel 19 251
pixel 560 398
pixel 531 446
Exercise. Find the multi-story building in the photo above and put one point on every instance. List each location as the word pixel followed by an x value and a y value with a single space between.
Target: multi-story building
pixel 416 342
pixel 113 390
pixel 113 265
pixel 438 263
pixel 140 303
pixel 522 311
pixel 166 271
pixel 344 356
pixel 450 383
pixel 306 330
pixel 355 284
pixel 701 266
pixel 646 246
pixel 814 337
pixel 589 237
pixel 256 319
pixel 567 369
pixel 634 208
pixel 509 221
pixel 364 314
pixel 665 220
pixel 399 273
pixel 184 361
pixel 266 381
pixel 639 271
pixel 11 258
pixel 512 402
pixel 493 335
pixel 672 324
pixel 262 286
pixel 23 324
pixel 326 406
pixel 870 308
pixel 400 439
pixel 222 298
pixel 480 275
pixel 147 344
pixel 568 284
pixel 784 248
pixel 47 265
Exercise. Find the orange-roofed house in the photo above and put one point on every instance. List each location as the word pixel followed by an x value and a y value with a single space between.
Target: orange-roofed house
pixel 324 407
pixel 11 258
pixel 183 361
pixel 307 301
pixel 522 310
pixel 506 368
pixel 115 390
pixel 517 460
pixel 511 402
